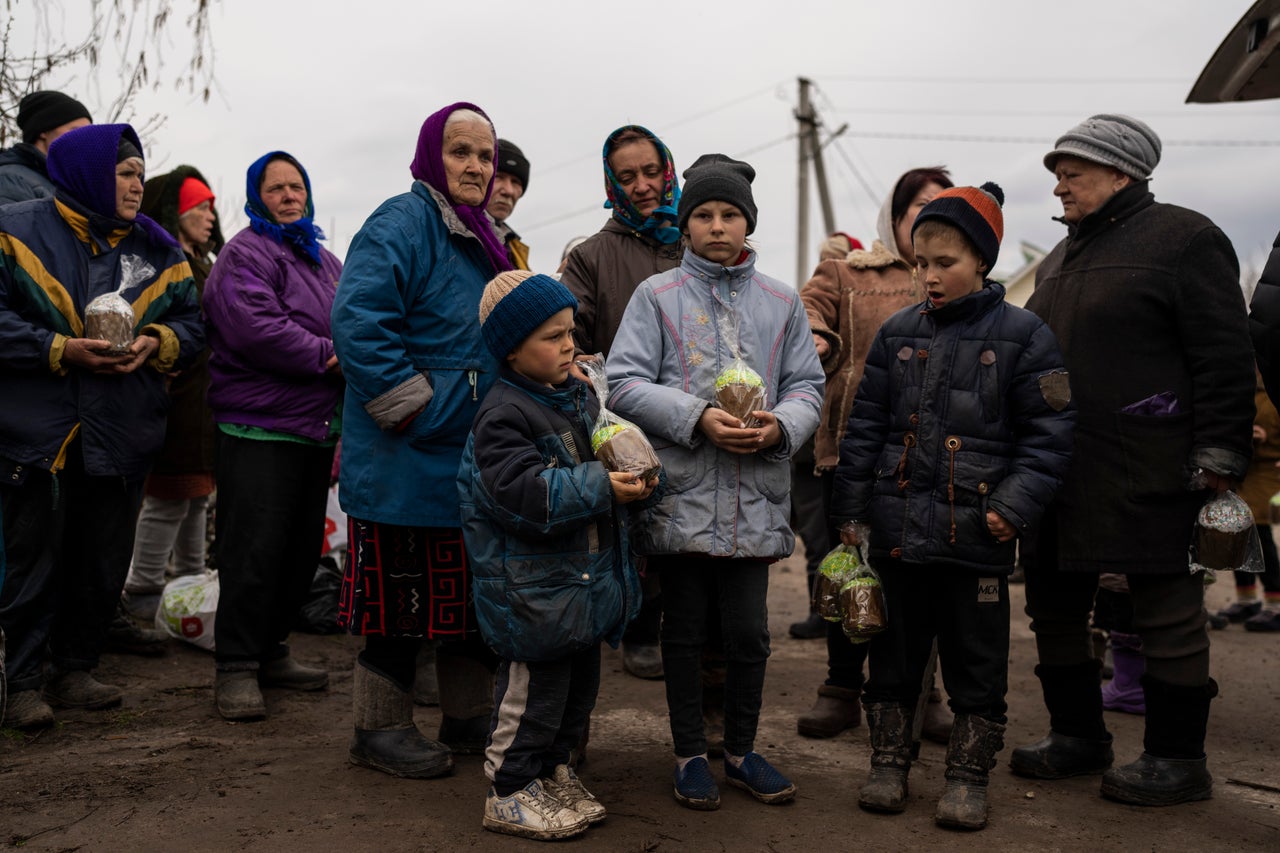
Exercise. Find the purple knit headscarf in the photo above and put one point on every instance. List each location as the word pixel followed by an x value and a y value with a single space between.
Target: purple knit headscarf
pixel 428 166
pixel 82 165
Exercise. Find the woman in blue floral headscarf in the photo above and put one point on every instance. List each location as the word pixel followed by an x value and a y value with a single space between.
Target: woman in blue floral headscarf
pixel 275 389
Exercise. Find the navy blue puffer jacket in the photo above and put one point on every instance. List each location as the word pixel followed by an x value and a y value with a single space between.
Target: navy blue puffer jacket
pixel 962 409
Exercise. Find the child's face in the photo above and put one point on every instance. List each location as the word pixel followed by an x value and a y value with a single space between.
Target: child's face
pixel 547 354
pixel 717 232
pixel 948 268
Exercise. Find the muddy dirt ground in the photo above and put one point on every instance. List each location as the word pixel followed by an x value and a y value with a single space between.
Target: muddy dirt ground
pixel 164 772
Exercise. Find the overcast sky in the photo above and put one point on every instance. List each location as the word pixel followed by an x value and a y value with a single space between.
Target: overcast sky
pixel 982 86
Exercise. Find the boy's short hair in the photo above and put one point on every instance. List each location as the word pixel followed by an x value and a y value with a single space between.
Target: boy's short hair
pixel 517 302
pixel 941 229
pixel 975 211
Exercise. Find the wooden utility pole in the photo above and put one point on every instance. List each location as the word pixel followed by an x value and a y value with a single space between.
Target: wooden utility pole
pixel 804 115
pixel 810 148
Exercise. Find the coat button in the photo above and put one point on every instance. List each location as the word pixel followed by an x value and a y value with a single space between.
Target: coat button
pixel 915 418
pixel 983 488
pixel 586 577
pixel 895 553
pixel 922 353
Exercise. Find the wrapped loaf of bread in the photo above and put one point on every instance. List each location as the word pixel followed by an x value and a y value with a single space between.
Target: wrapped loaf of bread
pixel 1222 533
pixel 862 603
pixel 836 568
pixel 110 318
pixel 740 391
pixel 620 445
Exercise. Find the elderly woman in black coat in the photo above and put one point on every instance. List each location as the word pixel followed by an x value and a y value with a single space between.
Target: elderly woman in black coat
pixel 1145 300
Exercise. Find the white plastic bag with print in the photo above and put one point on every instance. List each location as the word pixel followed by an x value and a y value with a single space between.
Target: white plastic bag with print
pixel 187 608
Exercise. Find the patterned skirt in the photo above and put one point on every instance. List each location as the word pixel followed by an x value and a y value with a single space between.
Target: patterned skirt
pixel 405 582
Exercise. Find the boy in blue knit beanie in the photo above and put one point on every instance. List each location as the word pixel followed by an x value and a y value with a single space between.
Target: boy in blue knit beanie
pixel 552 572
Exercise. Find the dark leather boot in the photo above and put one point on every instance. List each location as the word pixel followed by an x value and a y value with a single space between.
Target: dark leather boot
pixel 385 737
pixel 836 710
pixel 1172 768
pixel 971 753
pixel 1078 743
pixel 466 701
pixel 886 787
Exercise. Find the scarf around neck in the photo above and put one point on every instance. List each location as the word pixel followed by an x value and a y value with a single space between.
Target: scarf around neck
pixel 659 225
pixel 303 235
pixel 82 166
pixel 428 167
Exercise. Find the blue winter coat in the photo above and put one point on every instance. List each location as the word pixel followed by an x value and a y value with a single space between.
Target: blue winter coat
pixel 961 409
pixel 551 566
pixel 662 371
pixel 23 174
pixel 407 333
pixel 55 257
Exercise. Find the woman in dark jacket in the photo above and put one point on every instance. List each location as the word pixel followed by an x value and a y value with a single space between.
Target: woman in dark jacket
pixel 1145 300
pixel 275 389
pixel 172 521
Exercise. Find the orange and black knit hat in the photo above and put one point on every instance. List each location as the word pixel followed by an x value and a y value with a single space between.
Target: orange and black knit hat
pixel 975 211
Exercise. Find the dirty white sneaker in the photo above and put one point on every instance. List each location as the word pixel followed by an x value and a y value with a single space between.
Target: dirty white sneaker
pixel 566 787
pixel 533 813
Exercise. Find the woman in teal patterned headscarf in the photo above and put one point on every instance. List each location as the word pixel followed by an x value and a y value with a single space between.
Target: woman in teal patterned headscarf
pixel 660 222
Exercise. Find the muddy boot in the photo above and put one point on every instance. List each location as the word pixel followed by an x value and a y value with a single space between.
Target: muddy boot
pixel 237 695
pixel 385 737
pixel 79 689
pixel 643 660
pixel 886 787
pixel 1078 743
pixel 426 689
pixel 938 718
pixel 971 753
pixel 1172 768
pixel 288 673
pixel 27 710
pixel 128 637
pixel 1124 691
pixel 466 702
pixel 836 710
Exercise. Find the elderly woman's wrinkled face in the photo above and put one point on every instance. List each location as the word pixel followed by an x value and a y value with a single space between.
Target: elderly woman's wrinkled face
pixel 128 188
pixel 1084 186
pixel 283 191
pixel 468 160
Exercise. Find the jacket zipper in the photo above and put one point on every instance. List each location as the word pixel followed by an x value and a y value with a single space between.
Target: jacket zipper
pixel 471 378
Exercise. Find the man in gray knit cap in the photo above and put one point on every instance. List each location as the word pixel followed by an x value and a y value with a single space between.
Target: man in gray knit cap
pixel 1145 301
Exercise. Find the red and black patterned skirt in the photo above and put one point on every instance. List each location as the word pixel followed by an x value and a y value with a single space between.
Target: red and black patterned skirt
pixel 405 582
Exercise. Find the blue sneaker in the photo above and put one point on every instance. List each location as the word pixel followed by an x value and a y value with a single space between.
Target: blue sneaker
pixel 695 788
pixel 759 778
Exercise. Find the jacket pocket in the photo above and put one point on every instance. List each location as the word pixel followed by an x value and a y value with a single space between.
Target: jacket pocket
pixel 448 414
pixel 550 602
pixel 975 477
pixel 1156 450
pixel 685 467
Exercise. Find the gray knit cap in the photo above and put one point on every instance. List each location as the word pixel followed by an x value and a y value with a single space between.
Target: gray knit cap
pixel 715 177
pixel 1112 140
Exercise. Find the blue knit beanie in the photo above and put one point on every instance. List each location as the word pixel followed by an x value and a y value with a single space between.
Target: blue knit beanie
pixel 517 302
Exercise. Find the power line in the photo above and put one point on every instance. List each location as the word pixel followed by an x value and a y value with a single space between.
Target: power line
pixel 931 112
pixel 1007 81
pixel 1040 140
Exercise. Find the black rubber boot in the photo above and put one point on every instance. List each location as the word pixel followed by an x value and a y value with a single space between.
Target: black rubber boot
pixel 385 736
pixel 466 700
pixel 886 787
pixel 1078 743
pixel 971 753
pixel 1172 768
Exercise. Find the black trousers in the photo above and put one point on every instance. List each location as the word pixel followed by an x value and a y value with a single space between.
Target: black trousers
pixel 540 709
pixel 702 594
pixel 68 540
pixel 967 613
pixel 272 497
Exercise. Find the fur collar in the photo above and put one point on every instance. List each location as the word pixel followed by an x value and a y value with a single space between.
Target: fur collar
pixel 874 258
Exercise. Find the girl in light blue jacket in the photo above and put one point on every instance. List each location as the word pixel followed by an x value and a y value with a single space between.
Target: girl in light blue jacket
pixel 726 514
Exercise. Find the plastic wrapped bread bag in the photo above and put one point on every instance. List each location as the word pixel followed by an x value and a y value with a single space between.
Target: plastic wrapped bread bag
pixel 739 389
pixel 862 604
pixel 1226 536
pixel 619 444
pixel 109 317
pixel 837 567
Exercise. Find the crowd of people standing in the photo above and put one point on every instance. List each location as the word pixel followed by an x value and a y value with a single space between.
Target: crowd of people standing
pixel 437 380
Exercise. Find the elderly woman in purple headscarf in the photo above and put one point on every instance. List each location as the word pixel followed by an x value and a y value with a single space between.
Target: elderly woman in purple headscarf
pixel 83 412
pixel 407 337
